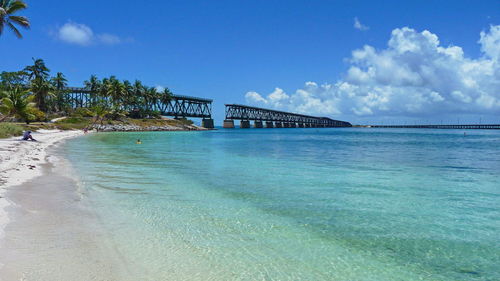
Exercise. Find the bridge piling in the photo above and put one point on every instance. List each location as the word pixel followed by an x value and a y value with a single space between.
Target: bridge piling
pixel 228 124
pixel 258 124
pixel 278 124
pixel 269 124
pixel 207 123
pixel 245 124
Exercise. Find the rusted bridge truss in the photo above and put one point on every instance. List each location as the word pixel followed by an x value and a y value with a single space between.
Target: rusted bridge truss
pixel 178 106
pixel 247 113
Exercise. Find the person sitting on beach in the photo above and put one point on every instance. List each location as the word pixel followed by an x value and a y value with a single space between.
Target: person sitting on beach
pixel 27 136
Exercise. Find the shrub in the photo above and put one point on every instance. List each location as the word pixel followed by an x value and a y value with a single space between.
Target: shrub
pixel 83 112
pixel 9 130
pixel 37 114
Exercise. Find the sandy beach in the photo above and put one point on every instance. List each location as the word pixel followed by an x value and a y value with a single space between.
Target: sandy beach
pixel 48 231
pixel 21 161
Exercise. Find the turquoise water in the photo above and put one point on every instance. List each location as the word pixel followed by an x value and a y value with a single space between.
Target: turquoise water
pixel 298 204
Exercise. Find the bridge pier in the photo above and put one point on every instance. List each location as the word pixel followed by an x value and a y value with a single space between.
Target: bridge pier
pixel 258 124
pixel 278 124
pixel 244 124
pixel 293 125
pixel 229 124
pixel 286 125
pixel 269 124
pixel 207 123
pixel 301 125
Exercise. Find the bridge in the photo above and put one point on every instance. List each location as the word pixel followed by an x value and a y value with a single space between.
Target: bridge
pixel 457 126
pixel 178 106
pixel 275 119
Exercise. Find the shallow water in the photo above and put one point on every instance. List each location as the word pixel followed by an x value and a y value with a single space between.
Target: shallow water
pixel 299 204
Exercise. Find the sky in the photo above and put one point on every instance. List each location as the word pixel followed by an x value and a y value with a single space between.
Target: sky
pixel 367 62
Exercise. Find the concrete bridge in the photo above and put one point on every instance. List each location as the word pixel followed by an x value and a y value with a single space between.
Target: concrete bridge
pixel 178 106
pixel 457 126
pixel 269 118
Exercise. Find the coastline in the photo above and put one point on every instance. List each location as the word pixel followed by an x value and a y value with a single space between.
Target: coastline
pixel 17 155
pixel 54 233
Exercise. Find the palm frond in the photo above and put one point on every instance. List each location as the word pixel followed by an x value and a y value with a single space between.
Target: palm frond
pixel 15 30
pixel 20 20
pixel 15 6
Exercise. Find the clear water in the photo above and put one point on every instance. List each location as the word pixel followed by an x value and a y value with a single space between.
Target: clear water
pixel 299 204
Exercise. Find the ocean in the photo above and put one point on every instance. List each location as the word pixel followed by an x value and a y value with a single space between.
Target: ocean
pixel 297 204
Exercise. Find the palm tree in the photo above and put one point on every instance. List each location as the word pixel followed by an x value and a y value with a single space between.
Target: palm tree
pixel 59 82
pixel 17 103
pixel 7 18
pixel 94 85
pixel 37 70
pixel 116 91
pixel 43 91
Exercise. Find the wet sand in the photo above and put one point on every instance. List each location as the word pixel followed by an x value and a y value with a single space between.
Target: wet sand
pixel 53 234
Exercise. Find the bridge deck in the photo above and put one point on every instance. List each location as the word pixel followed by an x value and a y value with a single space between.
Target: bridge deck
pixel 178 106
pixel 246 113
pixel 456 126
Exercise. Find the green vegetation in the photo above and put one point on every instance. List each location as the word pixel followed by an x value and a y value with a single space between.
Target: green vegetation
pixel 9 130
pixel 16 102
pixel 7 18
pixel 32 95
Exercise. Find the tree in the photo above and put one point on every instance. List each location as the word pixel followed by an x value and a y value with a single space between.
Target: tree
pixel 41 88
pixel 7 18
pixel 116 91
pixel 59 82
pixel 166 95
pixel 11 79
pixel 43 91
pixel 17 103
pixel 38 70
pixel 94 85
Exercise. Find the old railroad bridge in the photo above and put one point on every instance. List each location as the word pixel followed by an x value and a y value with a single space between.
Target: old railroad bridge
pixel 186 106
pixel 275 119
pixel 178 106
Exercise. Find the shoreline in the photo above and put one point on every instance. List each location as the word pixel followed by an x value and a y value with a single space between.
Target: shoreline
pixel 20 161
pixel 52 223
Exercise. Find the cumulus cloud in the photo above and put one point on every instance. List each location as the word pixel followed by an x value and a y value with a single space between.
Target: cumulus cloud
pixel 81 34
pixel 358 25
pixel 413 76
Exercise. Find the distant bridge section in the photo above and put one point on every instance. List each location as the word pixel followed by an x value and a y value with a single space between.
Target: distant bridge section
pixel 464 126
pixel 275 119
pixel 178 106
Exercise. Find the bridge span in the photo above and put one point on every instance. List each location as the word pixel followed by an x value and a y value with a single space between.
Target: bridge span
pixel 456 126
pixel 275 119
pixel 178 106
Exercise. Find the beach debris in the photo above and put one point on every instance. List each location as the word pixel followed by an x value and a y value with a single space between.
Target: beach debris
pixel 31 167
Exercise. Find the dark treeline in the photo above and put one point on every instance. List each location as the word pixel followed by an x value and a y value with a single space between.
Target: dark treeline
pixel 32 94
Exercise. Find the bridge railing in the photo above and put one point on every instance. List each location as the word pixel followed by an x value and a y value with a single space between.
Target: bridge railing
pixel 243 112
pixel 177 106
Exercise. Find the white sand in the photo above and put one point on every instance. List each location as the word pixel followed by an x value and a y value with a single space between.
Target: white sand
pixel 16 156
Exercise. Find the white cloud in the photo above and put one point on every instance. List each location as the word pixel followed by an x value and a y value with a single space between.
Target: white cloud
pixel 81 34
pixel 413 76
pixel 76 33
pixel 109 39
pixel 358 25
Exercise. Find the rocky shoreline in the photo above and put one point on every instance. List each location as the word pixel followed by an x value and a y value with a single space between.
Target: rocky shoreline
pixel 137 128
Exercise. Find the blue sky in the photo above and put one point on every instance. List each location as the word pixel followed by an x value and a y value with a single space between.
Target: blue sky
pixel 238 51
